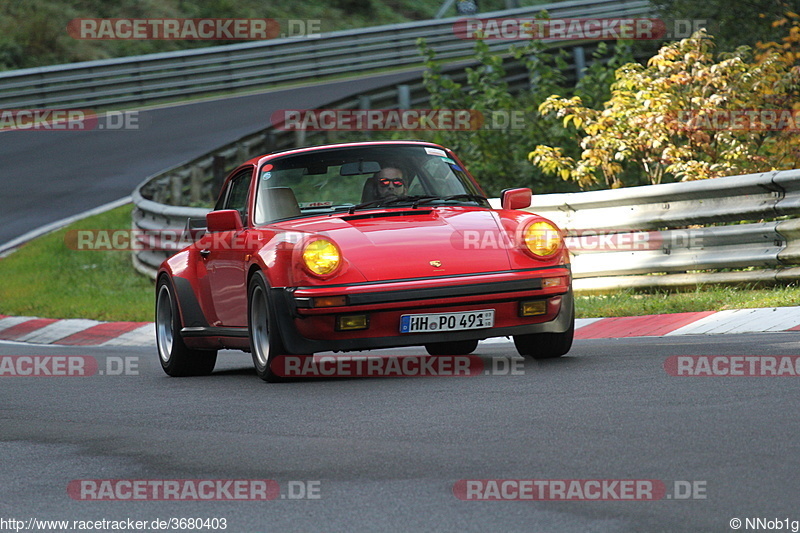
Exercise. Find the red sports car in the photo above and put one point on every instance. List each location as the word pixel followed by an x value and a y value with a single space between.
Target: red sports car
pixel 359 246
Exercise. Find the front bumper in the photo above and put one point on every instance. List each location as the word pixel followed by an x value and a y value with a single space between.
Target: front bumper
pixel 305 329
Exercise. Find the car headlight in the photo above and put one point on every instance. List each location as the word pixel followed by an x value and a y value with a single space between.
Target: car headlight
pixel 321 257
pixel 542 239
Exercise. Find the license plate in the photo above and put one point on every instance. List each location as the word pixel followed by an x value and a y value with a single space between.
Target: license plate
pixel 433 322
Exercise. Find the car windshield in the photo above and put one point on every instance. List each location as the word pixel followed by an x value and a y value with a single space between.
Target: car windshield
pixel 347 179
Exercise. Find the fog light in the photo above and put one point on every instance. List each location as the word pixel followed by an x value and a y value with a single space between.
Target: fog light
pixel 329 301
pixel 352 322
pixel 538 307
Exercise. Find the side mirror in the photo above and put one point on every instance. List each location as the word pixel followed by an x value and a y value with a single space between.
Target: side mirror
pixel 516 198
pixel 224 220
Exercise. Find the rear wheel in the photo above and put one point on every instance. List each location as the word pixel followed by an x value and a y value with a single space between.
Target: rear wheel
pixel 265 342
pixel 451 348
pixel 176 358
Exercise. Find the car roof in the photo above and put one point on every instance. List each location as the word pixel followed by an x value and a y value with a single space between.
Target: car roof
pixel 305 149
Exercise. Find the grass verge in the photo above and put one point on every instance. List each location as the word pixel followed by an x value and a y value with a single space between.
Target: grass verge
pixel 709 298
pixel 46 278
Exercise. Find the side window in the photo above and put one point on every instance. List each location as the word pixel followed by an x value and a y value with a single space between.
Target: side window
pixel 236 194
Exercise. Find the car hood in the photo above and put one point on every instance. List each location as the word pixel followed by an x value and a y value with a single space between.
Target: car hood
pixel 414 243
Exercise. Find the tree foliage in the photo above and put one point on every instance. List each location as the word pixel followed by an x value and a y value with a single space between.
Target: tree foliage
pixel 686 115
pixel 33 32
pixel 498 156
pixel 732 22
pixel 789 46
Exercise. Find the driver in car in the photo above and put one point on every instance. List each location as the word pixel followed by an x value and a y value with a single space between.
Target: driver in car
pixel 390 183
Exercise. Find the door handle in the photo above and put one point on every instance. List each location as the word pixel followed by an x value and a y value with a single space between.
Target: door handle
pixel 204 252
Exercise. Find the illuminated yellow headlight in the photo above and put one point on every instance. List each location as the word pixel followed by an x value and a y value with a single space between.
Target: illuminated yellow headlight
pixel 542 239
pixel 321 257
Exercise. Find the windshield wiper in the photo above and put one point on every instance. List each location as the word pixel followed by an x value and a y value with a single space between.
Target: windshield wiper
pixel 467 196
pixel 352 208
pixel 416 200
pixel 396 200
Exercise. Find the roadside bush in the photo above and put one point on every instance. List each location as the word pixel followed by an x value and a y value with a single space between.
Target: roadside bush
pixel 688 114
pixel 498 157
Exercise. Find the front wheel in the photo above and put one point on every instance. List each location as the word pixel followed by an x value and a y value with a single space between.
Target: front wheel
pixel 545 345
pixel 176 358
pixel 265 341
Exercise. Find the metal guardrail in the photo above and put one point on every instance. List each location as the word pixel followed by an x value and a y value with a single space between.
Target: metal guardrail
pixel 190 73
pixel 677 230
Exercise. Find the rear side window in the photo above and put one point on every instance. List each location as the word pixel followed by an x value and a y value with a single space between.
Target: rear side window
pixel 236 194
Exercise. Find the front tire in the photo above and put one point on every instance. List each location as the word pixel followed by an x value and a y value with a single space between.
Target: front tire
pixel 545 345
pixel 265 341
pixel 176 358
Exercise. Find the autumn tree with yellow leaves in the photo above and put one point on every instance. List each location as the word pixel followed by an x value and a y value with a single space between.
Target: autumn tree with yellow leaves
pixel 687 115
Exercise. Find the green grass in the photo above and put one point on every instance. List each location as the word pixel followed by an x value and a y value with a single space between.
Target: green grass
pixel 630 303
pixel 46 278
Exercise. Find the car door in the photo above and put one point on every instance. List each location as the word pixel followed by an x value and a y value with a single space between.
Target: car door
pixel 224 254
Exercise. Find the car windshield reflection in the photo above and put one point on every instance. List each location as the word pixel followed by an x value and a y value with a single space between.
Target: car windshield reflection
pixel 353 178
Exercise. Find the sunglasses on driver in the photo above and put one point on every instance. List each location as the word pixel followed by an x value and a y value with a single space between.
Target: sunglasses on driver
pixel 397 182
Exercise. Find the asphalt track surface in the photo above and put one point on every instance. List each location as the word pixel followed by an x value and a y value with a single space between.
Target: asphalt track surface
pixel 387 452
pixel 47 176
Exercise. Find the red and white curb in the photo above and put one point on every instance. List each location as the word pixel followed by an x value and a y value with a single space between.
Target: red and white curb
pixel 764 320
pixel 82 332
pixel 76 331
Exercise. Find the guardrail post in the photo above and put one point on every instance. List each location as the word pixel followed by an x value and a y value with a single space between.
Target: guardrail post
pixel 579 53
pixel 218 171
pixel 365 104
pixel 403 97
pixel 300 137
pixel 445 6
pixel 176 189
pixel 269 144
pixel 196 185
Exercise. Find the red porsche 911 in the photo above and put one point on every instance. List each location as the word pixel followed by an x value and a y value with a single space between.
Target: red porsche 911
pixel 360 246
